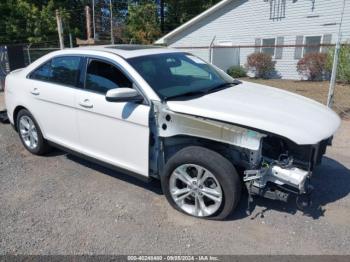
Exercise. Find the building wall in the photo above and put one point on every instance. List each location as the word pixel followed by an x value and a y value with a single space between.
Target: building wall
pixel 242 21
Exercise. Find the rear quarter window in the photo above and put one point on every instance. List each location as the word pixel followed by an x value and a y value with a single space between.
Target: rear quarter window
pixel 42 73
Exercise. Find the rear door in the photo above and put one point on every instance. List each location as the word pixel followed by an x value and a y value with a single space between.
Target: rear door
pixel 52 88
pixel 114 132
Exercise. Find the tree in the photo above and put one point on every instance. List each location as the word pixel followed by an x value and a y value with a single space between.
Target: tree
pixel 343 71
pixel 142 24
pixel 33 21
pixel 178 12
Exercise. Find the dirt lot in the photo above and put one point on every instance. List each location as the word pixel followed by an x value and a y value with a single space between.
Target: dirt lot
pixel 60 204
pixel 315 90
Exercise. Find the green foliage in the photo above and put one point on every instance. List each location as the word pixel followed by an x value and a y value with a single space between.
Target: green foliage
pixel 313 66
pixel 178 12
pixel 236 71
pixel 34 21
pixel 261 64
pixel 142 24
pixel 343 70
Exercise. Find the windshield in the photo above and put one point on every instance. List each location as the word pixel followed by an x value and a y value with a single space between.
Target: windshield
pixel 176 74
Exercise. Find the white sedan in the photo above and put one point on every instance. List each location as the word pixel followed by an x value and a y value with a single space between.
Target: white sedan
pixel 166 114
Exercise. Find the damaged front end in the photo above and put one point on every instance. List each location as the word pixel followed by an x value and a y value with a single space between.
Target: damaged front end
pixel 272 166
pixel 278 180
pixel 285 169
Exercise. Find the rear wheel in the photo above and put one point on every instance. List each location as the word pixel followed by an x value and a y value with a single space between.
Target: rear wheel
pixel 201 183
pixel 30 133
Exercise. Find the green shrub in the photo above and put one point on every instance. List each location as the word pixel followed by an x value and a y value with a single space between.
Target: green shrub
pixel 343 71
pixel 261 64
pixel 236 71
pixel 313 66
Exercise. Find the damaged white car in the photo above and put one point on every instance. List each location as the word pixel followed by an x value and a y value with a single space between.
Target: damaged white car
pixel 166 114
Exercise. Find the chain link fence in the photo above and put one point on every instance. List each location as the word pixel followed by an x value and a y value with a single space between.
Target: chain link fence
pixel 32 54
pixel 16 56
pixel 4 66
pixel 285 74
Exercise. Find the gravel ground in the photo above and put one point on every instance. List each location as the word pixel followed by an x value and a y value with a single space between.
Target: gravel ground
pixel 60 204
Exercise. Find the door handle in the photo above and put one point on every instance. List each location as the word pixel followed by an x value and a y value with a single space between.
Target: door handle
pixel 86 103
pixel 35 92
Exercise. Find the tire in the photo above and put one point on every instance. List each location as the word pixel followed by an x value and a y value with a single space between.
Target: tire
pixel 40 147
pixel 219 174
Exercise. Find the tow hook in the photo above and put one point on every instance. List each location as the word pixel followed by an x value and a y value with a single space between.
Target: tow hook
pixel 304 201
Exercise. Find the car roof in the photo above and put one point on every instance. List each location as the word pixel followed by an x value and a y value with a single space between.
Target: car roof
pixel 130 51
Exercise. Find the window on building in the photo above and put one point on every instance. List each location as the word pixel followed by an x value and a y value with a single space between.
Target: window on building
pixel 277 9
pixel 312 44
pixel 268 46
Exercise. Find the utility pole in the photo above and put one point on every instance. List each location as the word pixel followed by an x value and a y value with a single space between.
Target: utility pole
pixel 59 28
pixel 93 18
pixel 88 22
pixel 111 11
pixel 162 16
pixel 335 63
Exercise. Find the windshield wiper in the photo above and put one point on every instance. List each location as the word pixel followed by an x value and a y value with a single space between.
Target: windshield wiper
pixel 205 91
pixel 192 93
pixel 224 85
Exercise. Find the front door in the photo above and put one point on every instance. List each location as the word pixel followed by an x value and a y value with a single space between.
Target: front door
pixel 113 132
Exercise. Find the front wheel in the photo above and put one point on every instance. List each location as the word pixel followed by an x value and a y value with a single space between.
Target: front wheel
pixel 201 183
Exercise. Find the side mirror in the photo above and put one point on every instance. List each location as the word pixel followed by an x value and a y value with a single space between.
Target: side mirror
pixel 123 94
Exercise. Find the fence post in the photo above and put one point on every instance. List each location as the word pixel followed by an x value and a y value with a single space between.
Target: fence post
pixel 211 50
pixel 334 74
pixel 335 63
pixel 70 40
pixel 28 53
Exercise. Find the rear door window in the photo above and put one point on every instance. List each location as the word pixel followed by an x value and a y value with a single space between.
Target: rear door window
pixel 63 70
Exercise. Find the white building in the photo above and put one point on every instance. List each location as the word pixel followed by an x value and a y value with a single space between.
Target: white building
pixel 241 27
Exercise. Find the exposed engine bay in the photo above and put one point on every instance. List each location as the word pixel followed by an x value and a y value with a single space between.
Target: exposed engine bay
pixel 271 166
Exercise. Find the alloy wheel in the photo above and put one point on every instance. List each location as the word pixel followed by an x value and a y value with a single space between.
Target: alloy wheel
pixel 195 190
pixel 28 132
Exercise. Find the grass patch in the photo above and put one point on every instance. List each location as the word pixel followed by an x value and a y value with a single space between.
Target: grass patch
pixel 317 90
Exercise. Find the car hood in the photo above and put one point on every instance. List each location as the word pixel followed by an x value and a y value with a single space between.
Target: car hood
pixel 300 119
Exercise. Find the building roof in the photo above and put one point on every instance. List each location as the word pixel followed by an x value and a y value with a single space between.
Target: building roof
pixel 194 20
